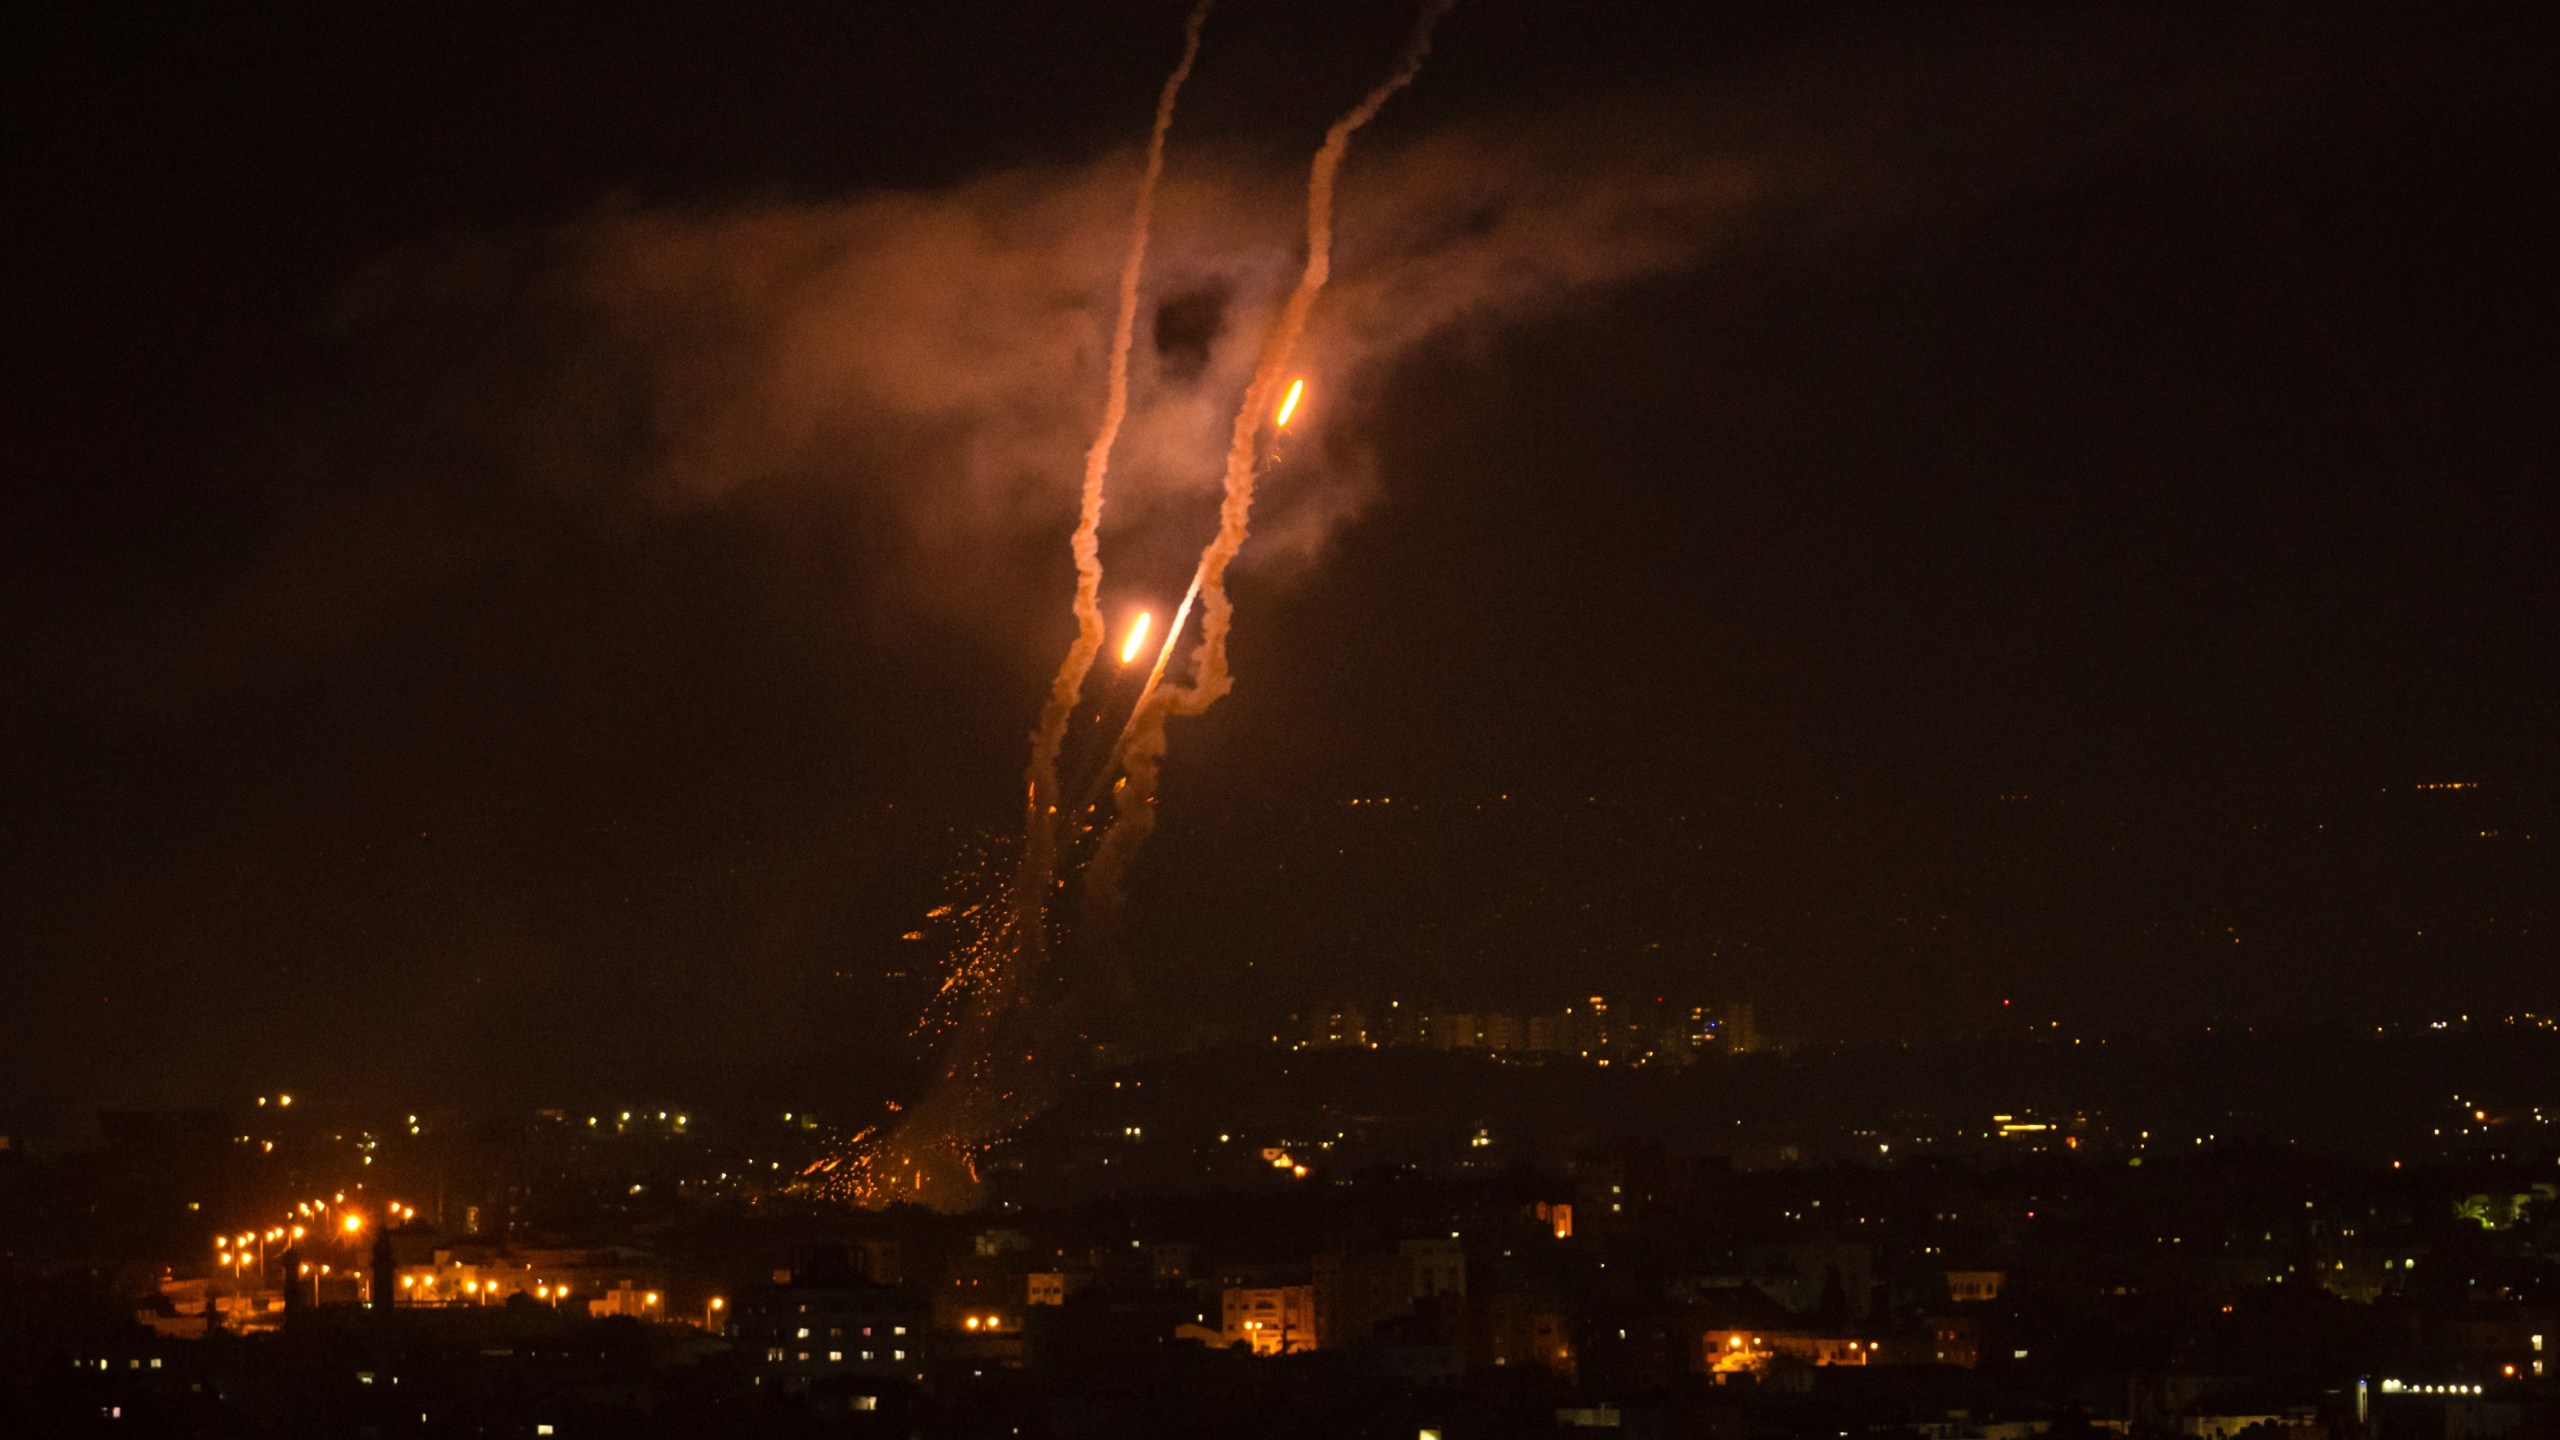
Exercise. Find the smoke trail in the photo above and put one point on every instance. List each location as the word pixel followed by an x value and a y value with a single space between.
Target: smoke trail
pixel 1051 731
pixel 1037 876
pixel 983 1089
pixel 1142 751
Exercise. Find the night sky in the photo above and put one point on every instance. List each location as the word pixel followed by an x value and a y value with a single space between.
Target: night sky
pixel 533 542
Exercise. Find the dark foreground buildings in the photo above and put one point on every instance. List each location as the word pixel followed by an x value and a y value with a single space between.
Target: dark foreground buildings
pixel 1135 1277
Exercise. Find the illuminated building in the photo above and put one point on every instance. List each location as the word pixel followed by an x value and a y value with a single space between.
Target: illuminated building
pixel 1052 1287
pixel 1965 1286
pixel 793 1334
pixel 1269 1319
pixel 640 1302
pixel 1728 1352
pixel 1337 1028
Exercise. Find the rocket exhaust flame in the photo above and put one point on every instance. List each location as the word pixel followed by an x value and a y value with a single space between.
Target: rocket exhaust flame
pixel 1182 613
pixel 1137 637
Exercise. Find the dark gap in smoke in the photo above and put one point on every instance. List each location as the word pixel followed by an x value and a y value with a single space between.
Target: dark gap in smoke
pixel 1187 329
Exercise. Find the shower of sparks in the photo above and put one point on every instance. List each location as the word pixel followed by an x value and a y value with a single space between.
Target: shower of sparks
pixel 979 934
pixel 973 929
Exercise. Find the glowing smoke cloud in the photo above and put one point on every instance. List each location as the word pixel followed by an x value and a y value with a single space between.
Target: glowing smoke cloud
pixel 1142 751
pixel 982 1088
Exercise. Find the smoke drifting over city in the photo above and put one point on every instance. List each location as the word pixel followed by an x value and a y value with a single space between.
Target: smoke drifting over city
pixel 941 354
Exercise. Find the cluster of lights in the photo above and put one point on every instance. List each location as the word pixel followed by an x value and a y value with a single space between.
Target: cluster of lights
pixel 495 1289
pixel 627 1116
pixel 984 1322
pixel 1513 1039
pixel 1281 1160
pixel 2395 1387
pixel 234 1250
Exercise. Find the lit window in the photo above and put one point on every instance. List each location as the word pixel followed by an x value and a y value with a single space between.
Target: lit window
pixel 835 1357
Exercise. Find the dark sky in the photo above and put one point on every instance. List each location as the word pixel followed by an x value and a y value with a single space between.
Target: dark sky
pixel 428 673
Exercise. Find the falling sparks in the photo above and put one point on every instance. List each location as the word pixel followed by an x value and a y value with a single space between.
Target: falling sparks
pixel 1137 637
pixel 981 924
pixel 979 937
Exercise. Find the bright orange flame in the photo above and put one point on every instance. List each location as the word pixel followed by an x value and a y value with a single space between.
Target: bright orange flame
pixel 1289 406
pixel 1137 637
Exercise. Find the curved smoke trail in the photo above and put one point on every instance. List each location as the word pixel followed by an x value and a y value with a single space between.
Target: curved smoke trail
pixel 1142 748
pixel 984 1088
pixel 1036 877
pixel 1050 733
